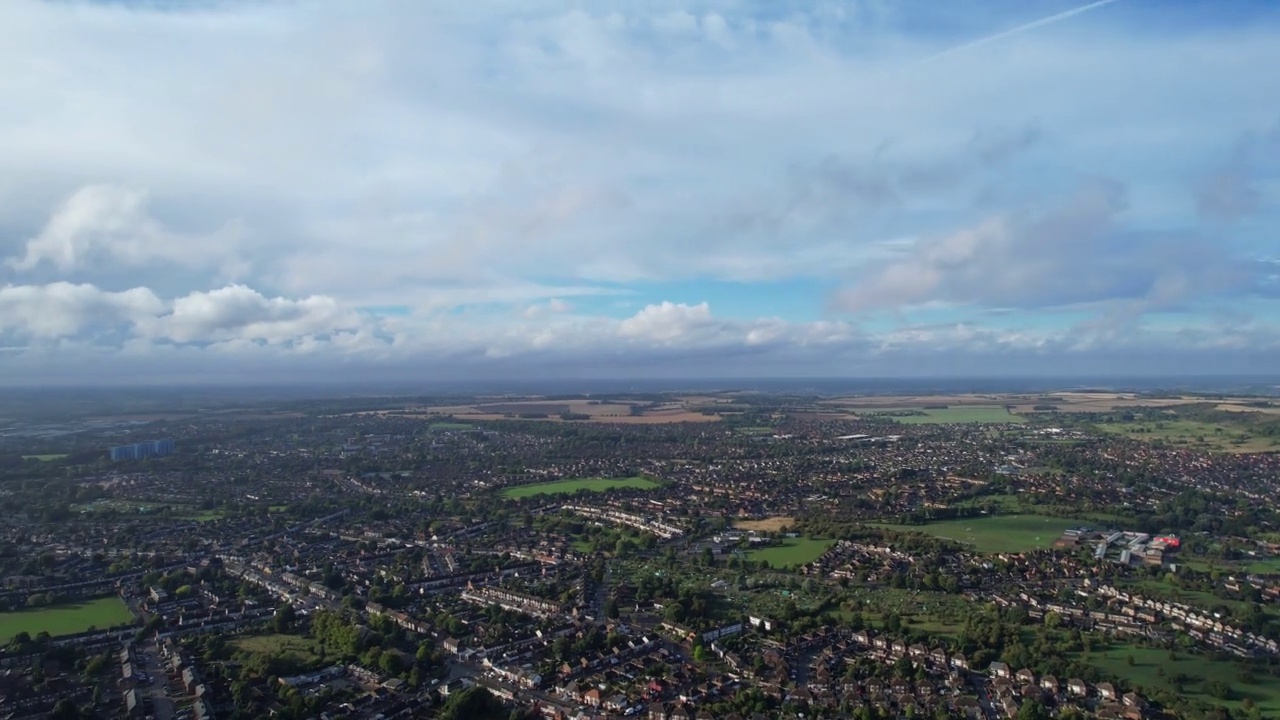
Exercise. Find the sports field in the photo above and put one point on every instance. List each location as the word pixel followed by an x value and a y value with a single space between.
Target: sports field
pixel 793 552
pixel 996 533
pixel 44 458
pixel 66 619
pixel 567 487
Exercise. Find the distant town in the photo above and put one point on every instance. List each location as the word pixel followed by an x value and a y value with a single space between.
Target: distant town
pixel 663 556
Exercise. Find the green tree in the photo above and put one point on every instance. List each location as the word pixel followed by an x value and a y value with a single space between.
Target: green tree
pixel 475 703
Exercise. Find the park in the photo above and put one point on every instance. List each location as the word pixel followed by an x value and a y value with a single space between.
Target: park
pixel 66 618
pixel 996 533
pixel 568 487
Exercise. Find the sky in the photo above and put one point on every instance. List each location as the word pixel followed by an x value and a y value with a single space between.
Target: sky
pixel 240 190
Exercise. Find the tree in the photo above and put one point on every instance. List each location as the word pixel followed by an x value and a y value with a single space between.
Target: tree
pixel 284 618
pixel 475 703
pixel 1033 710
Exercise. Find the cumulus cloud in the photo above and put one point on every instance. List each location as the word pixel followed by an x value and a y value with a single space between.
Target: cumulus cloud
pixel 668 322
pixel 62 309
pixel 239 313
pixel 112 223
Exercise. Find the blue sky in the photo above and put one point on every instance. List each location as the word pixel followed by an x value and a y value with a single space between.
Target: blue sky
pixel 396 189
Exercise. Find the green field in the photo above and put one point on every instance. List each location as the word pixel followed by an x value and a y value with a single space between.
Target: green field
pixel 793 552
pixel 1215 437
pixel 1149 662
pixel 450 426
pixel 45 458
pixel 756 430
pixel 135 507
pixel 306 649
pixel 566 487
pixel 996 533
pixel 66 619
pixel 944 416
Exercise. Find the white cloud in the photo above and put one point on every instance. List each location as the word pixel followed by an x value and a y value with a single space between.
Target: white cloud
pixel 239 313
pixel 1079 252
pixel 61 309
pixel 503 156
pixel 669 322
pixel 111 223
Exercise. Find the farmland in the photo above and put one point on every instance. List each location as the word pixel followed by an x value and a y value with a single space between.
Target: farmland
pixel 568 487
pixel 996 533
pixel 66 619
pixel 792 552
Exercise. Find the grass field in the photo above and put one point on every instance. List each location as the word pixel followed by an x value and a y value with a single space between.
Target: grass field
pixel 132 507
pixel 449 426
pixel 757 430
pixel 44 458
pixel 1217 437
pixel 566 487
pixel 996 533
pixel 1148 663
pixel 307 649
pixel 66 619
pixel 793 552
pixel 946 416
pixel 769 524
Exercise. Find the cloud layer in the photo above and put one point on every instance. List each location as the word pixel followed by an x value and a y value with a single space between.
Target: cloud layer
pixel 826 189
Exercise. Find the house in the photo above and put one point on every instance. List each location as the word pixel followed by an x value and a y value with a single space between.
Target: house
pixel 657 711
pixel 1076 687
pixel 1025 677
pixel 999 669
pixel 1107 691
pixel 1049 684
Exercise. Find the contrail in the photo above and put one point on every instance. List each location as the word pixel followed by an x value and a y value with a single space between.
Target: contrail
pixel 1012 31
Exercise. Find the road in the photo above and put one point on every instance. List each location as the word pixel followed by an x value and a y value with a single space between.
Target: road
pixel 149 659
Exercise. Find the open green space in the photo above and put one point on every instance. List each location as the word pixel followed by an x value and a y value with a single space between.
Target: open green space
pixel 45 458
pixel 996 533
pixel 168 511
pixel 1198 598
pixel 1215 437
pixel 755 430
pixel 66 618
pixel 1157 668
pixel 567 487
pixel 121 506
pixel 944 416
pixel 450 426
pixel 307 649
pixel 792 552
